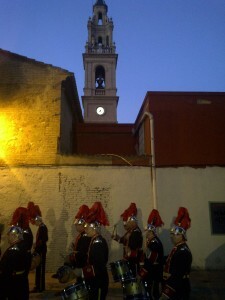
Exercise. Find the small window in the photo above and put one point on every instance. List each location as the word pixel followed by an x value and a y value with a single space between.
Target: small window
pixel 217 215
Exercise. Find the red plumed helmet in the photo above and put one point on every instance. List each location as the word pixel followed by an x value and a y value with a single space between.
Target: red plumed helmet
pixel 20 218
pixel 81 215
pixel 130 213
pixel 154 220
pixel 182 222
pixel 97 215
pixel 34 210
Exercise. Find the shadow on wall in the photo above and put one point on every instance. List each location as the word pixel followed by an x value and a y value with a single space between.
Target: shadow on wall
pixel 164 236
pixel 216 260
pixel 59 236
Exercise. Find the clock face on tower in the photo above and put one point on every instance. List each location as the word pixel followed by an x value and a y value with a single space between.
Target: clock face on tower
pixel 100 110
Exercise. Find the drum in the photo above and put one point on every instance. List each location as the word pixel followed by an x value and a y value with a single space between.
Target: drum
pixel 120 270
pixel 133 289
pixel 75 292
pixel 65 274
pixel 35 261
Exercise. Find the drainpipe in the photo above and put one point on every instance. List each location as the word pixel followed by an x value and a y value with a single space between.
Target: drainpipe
pixel 153 170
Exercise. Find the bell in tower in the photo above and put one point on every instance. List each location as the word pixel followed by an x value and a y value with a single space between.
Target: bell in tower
pixel 100 59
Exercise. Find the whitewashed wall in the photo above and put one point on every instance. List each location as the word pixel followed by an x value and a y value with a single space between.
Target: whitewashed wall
pixel 60 191
pixel 194 189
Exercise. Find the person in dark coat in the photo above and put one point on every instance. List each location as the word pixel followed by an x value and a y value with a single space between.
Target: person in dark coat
pixel 151 265
pixel 81 244
pixel 178 264
pixel 132 240
pixel 95 270
pixel 20 218
pixel 78 257
pixel 40 246
pixel 13 267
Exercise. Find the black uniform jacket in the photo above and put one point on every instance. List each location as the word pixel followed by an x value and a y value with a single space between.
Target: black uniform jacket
pixel 13 272
pixel 132 240
pixel 97 260
pixel 41 239
pixel 152 266
pixel 81 246
pixel 28 238
pixel 176 271
pixel 132 248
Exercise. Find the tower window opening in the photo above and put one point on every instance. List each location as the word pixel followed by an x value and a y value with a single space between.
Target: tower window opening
pixel 100 18
pixel 100 41
pixel 100 78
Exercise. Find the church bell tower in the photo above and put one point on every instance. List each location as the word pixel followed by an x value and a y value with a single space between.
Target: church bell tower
pixel 100 60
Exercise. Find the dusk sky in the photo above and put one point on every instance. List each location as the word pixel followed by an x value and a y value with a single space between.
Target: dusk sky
pixel 162 45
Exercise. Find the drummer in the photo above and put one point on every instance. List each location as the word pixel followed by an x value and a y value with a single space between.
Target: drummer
pixel 13 265
pixel 40 246
pixel 78 257
pixel 20 218
pixel 95 270
pixel 151 270
pixel 132 240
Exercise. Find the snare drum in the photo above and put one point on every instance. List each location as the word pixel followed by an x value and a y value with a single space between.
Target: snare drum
pixel 120 270
pixel 35 260
pixel 75 292
pixel 65 274
pixel 133 289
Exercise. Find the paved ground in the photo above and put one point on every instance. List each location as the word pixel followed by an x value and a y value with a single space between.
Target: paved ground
pixel 206 285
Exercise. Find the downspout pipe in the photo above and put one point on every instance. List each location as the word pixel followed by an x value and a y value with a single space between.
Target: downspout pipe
pixel 153 169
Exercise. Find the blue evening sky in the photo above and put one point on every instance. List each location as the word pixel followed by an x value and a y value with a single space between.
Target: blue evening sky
pixel 163 45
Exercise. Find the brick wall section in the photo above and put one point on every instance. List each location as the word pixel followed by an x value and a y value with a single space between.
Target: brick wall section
pixel 31 102
pixel 189 127
pixel 105 138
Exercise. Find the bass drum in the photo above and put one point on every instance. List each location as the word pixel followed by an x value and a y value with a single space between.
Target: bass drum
pixel 35 261
pixel 75 292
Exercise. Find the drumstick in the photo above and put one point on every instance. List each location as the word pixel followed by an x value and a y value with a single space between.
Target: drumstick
pixel 114 229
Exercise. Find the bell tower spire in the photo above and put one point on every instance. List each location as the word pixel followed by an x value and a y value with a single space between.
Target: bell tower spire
pixel 100 60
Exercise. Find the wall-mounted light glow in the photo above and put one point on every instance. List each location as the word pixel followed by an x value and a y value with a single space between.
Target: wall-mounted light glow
pixel 6 135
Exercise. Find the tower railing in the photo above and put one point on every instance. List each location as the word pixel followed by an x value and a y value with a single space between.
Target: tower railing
pixel 100 49
pixel 100 92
